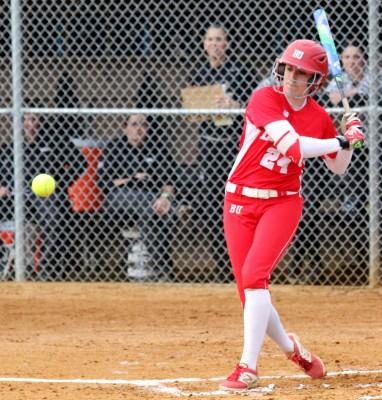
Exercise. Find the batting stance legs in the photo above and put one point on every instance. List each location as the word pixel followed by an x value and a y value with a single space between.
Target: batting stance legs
pixel 258 232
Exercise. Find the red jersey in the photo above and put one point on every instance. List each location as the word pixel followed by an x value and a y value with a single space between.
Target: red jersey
pixel 259 164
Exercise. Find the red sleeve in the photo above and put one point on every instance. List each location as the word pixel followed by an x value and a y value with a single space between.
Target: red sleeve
pixel 330 129
pixel 264 107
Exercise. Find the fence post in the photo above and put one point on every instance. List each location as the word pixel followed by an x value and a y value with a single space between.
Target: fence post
pixel 374 172
pixel 17 139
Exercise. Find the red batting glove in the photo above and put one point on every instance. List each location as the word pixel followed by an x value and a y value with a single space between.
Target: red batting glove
pixel 351 127
pixel 352 121
pixel 349 120
pixel 355 137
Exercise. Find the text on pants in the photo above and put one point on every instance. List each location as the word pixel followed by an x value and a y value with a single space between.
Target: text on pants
pixel 235 209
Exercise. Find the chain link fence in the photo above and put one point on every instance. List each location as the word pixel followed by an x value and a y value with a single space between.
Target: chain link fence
pixel 109 91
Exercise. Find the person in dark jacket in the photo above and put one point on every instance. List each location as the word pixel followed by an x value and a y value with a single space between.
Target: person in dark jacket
pixel 46 150
pixel 219 137
pixel 137 178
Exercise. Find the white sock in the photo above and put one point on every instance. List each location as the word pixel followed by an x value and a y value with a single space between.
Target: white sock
pixel 257 310
pixel 277 333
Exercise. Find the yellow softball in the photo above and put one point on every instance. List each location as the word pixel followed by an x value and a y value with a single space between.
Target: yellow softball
pixel 43 185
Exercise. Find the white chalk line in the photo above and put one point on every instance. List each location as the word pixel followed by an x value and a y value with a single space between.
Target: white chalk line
pixel 158 385
pixel 152 382
pixel 370 398
pixel 367 385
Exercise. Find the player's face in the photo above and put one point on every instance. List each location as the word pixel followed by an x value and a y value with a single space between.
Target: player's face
pixel 296 81
pixel 136 129
pixel 353 62
pixel 215 43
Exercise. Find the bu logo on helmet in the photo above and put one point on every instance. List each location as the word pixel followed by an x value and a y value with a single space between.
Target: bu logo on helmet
pixel 298 54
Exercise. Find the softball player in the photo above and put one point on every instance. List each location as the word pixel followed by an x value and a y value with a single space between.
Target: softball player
pixel 263 205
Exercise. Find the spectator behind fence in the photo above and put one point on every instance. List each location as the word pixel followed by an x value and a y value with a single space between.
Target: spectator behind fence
pixel 136 178
pixel 343 204
pixel 356 79
pixel 219 135
pixel 48 151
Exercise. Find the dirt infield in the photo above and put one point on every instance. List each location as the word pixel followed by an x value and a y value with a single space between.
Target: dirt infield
pixel 95 334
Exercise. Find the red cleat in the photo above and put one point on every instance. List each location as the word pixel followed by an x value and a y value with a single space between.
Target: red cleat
pixel 242 378
pixel 311 364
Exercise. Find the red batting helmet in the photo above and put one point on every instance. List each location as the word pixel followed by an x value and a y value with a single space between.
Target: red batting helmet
pixel 308 56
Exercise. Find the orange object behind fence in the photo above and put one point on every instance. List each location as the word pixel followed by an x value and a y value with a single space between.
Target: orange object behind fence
pixel 7 236
pixel 85 193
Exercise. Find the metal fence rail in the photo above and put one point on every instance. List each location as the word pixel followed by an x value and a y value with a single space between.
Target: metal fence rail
pixel 81 79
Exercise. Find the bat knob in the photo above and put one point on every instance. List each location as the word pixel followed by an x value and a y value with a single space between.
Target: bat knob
pixel 357 144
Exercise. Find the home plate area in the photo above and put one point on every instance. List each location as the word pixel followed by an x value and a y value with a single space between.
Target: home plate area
pixel 351 384
pixel 344 385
